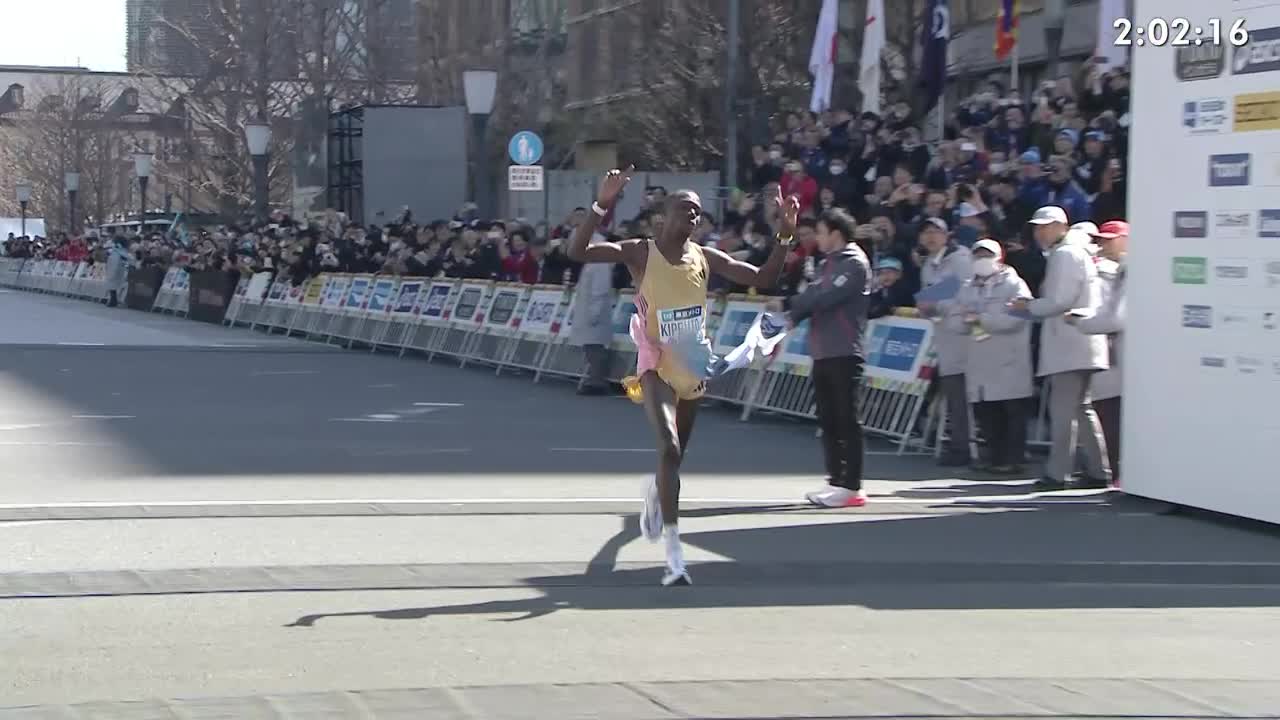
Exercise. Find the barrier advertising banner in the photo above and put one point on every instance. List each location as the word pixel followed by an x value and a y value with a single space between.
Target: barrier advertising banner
pixel 279 289
pixel 315 290
pixel 143 286
pixel 540 313
pixel 738 317
pixel 435 302
pixel 380 296
pixel 622 312
pixel 408 298
pixel 466 306
pixel 1201 373
pixel 335 292
pixel 211 293
pixel 357 293
pixel 258 286
pixel 503 307
pixel 897 348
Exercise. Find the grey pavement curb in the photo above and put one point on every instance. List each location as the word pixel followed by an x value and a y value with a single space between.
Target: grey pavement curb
pixel 320 578
pixel 949 698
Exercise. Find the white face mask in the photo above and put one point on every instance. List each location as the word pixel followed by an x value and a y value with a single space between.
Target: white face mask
pixel 997 168
pixel 985 267
pixel 775 154
pixel 837 169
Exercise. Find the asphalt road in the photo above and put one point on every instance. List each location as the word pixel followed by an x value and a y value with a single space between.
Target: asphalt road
pixel 201 522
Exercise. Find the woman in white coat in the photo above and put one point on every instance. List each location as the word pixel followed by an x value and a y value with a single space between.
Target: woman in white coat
pixel 998 365
pixel 1113 242
pixel 592 319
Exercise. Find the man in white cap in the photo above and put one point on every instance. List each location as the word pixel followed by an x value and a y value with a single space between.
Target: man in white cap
pixel 1068 357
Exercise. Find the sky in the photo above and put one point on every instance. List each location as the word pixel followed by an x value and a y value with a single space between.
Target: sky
pixel 90 33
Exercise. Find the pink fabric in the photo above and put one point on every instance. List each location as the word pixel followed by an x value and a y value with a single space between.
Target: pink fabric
pixel 648 352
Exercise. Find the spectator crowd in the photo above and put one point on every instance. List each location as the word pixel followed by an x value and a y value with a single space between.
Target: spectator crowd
pixel 1003 156
pixel 923 212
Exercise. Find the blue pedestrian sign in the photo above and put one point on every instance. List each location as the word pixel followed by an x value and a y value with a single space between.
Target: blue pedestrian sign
pixel 525 148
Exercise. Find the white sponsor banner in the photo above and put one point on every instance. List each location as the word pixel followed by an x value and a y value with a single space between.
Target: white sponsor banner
pixel 540 312
pixel 1201 368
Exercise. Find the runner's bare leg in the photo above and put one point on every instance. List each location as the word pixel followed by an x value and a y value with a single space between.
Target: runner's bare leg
pixel 660 405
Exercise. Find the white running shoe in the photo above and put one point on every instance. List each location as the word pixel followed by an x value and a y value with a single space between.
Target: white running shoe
pixel 843 498
pixel 674 578
pixel 815 497
pixel 651 514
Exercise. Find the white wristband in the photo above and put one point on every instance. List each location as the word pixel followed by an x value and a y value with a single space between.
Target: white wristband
pixel 595 208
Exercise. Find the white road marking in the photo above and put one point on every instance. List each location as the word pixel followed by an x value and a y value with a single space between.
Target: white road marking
pixel 82 344
pixel 104 417
pixel 603 450
pixel 383 386
pixel 437 404
pixel 36 443
pixel 20 427
pixel 270 373
pixel 407 452
pixel 383 416
pixel 363 420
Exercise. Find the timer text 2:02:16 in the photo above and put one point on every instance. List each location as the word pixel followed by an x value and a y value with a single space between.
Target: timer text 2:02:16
pixel 1179 33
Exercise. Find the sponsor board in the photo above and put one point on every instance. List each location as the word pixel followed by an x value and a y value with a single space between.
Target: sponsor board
pixel 1257 111
pixel 1249 365
pixel 1231 271
pixel 540 312
pixel 1201 62
pixel 1270 320
pixel 1271 270
pixel 1190 271
pixel 1190 224
pixel 1269 223
pixel 1230 169
pixel 1197 316
pixel 1213 361
pixel 1232 223
pixel 1206 116
pixel 1235 318
pixel 1260 55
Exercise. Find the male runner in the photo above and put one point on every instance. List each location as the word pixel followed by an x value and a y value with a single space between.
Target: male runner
pixel 674 353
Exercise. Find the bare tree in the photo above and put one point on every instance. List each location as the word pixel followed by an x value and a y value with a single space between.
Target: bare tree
pixel 71 128
pixel 674 117
pixel 288 62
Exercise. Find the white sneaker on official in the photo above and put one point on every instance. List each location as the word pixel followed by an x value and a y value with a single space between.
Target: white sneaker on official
pixel 843 498
pixel 815 497
pixel 651 514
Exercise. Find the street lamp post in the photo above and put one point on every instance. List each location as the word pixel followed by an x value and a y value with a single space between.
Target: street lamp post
pixel 257 135
pixel 480 87
pixel 142 163
pixel 72 183
pixel 23 191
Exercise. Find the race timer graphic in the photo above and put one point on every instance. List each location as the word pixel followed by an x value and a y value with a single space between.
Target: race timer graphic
pixel 1181 32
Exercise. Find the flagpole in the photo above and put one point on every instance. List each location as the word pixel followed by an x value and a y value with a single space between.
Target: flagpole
pixel 1013 70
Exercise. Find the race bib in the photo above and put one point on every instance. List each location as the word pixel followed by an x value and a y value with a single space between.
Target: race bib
pixel 680 325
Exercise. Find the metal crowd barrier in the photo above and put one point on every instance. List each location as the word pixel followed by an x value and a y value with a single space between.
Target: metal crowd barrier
pixel 526 329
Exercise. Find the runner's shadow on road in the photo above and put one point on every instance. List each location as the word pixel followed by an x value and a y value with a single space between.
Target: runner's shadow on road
pixel 1030 559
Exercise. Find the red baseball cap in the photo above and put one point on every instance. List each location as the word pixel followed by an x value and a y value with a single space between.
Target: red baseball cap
pixel 1113 229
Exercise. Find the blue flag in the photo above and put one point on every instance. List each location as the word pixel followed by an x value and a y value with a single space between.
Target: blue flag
pixel 935 33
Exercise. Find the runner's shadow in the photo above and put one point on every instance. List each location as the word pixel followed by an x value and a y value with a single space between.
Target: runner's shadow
pixel 1023 556
pixel 601 565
